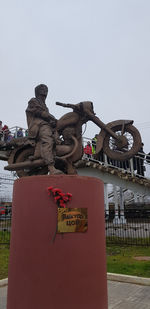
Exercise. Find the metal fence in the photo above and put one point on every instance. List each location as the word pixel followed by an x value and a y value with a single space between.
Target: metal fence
pixel 128 229
pixel 122 230
pixel 138 166
pixel 5 228
pixel 8 133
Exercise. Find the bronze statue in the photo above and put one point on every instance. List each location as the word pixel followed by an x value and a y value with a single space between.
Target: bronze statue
pixel 42 128
pixel 55 145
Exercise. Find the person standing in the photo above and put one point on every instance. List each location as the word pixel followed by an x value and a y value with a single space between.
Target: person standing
pixel 88 150
pixel 20 132
pixel 94 141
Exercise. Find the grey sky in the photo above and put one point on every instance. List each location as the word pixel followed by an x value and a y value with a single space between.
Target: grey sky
pixel 83 50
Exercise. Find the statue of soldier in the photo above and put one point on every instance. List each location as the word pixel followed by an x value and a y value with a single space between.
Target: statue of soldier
pixel 42 127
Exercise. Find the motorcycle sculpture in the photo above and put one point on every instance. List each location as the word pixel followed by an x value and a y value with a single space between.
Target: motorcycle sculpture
pixel 119 139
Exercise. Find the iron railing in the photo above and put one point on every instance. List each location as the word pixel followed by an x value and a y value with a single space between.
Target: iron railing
pixel 128 229
pixel 138 166
pixel 125 229
pixel 5 227
pixel 12 132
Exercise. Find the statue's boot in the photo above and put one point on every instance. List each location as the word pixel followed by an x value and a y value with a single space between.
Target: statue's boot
pixel 54 171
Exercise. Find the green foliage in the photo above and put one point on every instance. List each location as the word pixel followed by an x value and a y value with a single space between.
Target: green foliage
pixel 127 241
pixel 4 256
pixel 4 237
pixel 120 260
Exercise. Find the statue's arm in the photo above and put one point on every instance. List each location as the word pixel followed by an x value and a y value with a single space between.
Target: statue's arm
pixel 35 108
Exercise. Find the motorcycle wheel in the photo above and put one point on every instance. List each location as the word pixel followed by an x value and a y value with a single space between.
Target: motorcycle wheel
pixel 133 138
pixel 24 156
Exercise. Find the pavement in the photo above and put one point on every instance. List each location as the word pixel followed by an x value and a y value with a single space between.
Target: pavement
pixel 3 297
pixel 120 296
pixel 128 296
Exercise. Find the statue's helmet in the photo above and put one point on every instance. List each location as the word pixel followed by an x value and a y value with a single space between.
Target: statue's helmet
pixel 41 90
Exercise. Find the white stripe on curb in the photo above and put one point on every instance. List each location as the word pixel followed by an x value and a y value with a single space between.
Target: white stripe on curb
pixel 128 279
pixel 111 277
pixel 3 282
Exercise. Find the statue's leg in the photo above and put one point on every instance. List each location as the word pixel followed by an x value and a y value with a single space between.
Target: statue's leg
pixel 37 152
pixel 47 148
pixel 46 144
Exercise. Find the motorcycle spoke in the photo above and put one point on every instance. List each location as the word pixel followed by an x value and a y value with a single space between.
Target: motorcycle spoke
pixel 112 141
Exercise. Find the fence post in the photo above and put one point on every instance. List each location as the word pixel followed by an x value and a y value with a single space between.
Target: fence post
pixel 116 218
pixel 106 204
pixel 105 160
pixel 15 132
pixel 131 166
pixel 122 217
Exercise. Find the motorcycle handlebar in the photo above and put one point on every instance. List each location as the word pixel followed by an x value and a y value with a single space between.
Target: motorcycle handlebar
pixel 73 106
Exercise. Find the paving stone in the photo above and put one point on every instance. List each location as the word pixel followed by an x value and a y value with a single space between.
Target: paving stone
pixel 120 296
pixel 126 304
pixel 3 297
pixel 126 295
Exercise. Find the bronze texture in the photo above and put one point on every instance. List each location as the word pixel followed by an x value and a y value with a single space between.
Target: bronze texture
pixel 54 146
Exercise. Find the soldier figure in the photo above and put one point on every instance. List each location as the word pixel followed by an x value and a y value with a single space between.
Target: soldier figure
pixel 42 127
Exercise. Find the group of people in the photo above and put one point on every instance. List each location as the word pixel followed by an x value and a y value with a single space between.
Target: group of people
pixel 138 159
pixel 6 135
pixel 90 148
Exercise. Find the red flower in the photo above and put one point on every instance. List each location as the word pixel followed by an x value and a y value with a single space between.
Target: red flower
pixel 60 198
pixel 57 198
pixel 69 194
pixel 62 204
pixel 57 190
pixel 65 198
pixel 62 194
pixel 50 188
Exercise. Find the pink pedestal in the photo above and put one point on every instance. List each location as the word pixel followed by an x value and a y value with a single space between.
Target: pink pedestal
pixel 69 273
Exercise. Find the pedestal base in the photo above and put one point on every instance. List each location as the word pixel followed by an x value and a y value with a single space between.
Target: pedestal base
pixel 69 272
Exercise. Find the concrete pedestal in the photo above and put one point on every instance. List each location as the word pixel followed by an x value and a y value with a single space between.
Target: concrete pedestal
pixel 69 272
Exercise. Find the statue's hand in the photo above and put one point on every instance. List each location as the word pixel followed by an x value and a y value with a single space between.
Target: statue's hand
pixel 53 122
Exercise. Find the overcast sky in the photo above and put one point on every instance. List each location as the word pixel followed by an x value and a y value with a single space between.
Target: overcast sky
pixel 83 50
